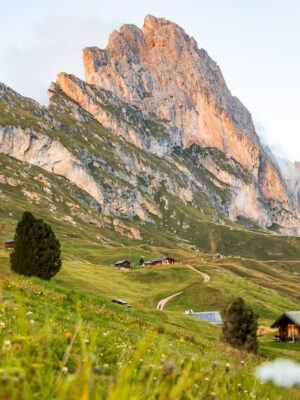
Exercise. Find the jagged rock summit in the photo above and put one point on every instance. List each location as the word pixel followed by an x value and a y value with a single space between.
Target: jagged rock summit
pixel 152 139
pixel 160 71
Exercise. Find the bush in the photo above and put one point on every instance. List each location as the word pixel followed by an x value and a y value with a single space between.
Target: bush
pixel 36 251
pixel 240 326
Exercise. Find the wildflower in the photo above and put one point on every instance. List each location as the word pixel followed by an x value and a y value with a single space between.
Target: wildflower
pixel 284 373
pixel 243 362
pixel 32 321
pixel 17 346
pixel 214 365
pixel 181 340
pixel 183 372
pixel 96 369
pixel 245 392
pixel 9 331
pixel 68 336
pixel 151 366
pixel 155 378
pixel 105 366
pixel 141 360
pixel 227 367
pixel 86 341
pixel 65 370
pixel 239 387
pixel 104 334
pixel 213 395
pixel 6 345
pixel 2 324
pixel 206 379
pixel 159 368
pixel 29 313
pixel 170 367
pixel 101 354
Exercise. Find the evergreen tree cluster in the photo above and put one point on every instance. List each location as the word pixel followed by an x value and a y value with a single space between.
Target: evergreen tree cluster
pixel 36 251
pixel 240 326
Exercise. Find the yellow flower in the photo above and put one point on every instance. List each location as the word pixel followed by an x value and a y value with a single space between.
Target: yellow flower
pixel 181 340
pixel 68 336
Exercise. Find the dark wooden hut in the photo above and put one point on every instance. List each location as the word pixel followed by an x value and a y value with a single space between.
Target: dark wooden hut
pixel 289 326
pixel 122 264
pixel 160 261
pixel 121 302
pixel 9 244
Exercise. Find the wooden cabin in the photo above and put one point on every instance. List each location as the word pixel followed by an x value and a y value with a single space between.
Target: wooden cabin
pixel 289 326
pixel 121 302
pixel 9 244
pixel 160 261
pixel 122 264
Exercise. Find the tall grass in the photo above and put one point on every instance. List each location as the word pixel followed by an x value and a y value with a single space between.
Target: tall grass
pixel 55 346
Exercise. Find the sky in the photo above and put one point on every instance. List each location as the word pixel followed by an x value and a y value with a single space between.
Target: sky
pixel 255 43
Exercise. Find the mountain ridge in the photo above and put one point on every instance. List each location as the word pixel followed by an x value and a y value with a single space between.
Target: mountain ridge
pixel 122 143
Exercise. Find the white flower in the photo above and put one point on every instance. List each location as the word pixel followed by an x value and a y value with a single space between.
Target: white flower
pixel 104 334
pixel 32 321
pixel 6 345
pixel 65 370
pixel 2 324
pixel 284 373
pixel 86 341
pixel 105 366
pixel 29 313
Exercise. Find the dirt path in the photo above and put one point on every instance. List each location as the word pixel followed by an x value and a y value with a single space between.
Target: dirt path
pixel 206 277
pixel 163 302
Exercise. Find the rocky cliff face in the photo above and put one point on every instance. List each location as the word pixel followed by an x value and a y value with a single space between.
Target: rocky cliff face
pixel 160 71
pixel 152 126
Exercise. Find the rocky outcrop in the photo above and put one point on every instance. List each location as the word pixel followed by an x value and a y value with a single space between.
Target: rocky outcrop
pixel 38 149
pixel 159 71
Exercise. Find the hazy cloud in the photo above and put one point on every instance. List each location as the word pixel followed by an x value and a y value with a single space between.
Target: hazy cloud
pixel 54 45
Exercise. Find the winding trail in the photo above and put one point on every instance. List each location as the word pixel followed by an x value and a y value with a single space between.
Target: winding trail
pixel 206 277
pixel 163 302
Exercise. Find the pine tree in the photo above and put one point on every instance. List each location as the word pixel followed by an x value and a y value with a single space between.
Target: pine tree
pixel 141 261
pixel 240 326
pixel 36 251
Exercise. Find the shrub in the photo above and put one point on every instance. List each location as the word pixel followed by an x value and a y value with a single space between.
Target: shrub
pixel 36 251
pixel 240 326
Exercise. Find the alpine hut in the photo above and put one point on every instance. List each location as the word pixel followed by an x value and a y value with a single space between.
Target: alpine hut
pixel 289 326
pixel 9 244
pixel 122 264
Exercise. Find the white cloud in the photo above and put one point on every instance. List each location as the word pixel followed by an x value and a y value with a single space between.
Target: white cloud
pixel 54 45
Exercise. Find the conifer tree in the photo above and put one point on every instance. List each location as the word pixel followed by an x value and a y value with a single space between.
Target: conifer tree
pixel 141 261
pixel 36 251
pixel 240 326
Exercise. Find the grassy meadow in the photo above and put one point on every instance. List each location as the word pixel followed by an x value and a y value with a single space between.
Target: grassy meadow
pixel 119 353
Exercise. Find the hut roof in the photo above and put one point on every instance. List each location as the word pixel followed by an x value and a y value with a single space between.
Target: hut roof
pixel 9 241
pixel 294 316
pixel 214 317
pixel 120 301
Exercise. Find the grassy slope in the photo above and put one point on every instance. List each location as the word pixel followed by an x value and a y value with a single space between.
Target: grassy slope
pixel 114 353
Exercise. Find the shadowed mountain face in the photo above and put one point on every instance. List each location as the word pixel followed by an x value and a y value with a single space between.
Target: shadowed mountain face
pixel 152 124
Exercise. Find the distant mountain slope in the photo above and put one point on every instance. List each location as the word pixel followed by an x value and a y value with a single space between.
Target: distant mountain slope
pixel 153 137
